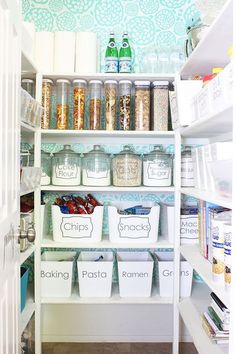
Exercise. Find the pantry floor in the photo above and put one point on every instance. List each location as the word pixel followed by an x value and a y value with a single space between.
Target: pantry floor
pixel 115 348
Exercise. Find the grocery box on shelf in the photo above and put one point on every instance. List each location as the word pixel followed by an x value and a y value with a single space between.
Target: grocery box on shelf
pixel 95 274
pixel 77 227
pixel 165 269
pixel 133 228
pixel 135 270
pixel 56 273
pixel 24 277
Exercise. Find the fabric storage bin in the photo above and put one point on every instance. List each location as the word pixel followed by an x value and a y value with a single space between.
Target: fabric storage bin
pixel 133 228
pixel 77 227
pixel 24 277
pixel 56 273
pixel 167 221
pixel 135 271
pixel 165 269
pixel 95 274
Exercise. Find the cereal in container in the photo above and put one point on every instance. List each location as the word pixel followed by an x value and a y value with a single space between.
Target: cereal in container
pixel 127 168
pixel 125 104
pixel 95 88
pixel 142 105
pixel 79 100
pixel 110 87
pixel 63 87
pixel 159 105
pixel 46 103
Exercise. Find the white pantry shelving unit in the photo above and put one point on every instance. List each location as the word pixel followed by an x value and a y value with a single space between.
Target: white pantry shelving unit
pixel 211 51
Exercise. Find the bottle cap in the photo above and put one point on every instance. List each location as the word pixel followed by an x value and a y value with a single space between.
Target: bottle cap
pixel 110 82
pixel 142 83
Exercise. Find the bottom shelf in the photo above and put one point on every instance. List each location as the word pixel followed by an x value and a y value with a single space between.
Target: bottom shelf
pixel 114 299
pixel 191 316
pixel 26 314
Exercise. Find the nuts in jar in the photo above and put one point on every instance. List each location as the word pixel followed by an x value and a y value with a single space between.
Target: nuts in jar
pixel 110 103
pixel 142 105
pixel 125 104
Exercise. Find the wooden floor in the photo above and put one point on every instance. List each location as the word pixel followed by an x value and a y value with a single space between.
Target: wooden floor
pixel 115 348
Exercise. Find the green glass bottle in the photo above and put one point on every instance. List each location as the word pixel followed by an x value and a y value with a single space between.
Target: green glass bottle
pixel 111 56
pixel 125 55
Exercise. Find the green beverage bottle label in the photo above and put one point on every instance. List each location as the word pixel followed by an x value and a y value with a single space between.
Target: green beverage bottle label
pixel 125 65
pixel 111 65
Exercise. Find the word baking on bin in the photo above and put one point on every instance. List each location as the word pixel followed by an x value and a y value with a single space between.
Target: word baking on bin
pixel 98 274
pixel 134 275
pixel 55 274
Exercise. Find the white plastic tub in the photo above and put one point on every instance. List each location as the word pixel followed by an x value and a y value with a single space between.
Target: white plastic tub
pixel 56 274
pixel 167 221
pixel 76 227
pixel 135 271
pixel 133 228
pixel 95 274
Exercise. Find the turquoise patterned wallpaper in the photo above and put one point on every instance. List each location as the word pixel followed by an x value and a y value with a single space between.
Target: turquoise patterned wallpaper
pixel 149 22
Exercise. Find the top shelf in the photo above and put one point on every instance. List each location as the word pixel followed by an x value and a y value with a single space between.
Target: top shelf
pixel 212 50
pixel 110 76
pixel 27 65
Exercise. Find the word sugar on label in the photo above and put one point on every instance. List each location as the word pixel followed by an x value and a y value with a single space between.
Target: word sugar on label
pixel 134 227
pixel 76 227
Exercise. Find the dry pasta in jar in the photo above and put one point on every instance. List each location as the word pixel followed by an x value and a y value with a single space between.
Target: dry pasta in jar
pixel 142 105
pixel 79 100
pixel 110 88
pixel 125 104
pixel 63 87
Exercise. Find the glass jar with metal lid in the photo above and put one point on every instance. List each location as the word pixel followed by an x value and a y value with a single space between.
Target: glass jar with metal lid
pixel 29 86
pixel 159 105
pixel 127 168
pixel 157 168
pixel 142 105
pixel 66 167
pixel 125 104
pixel 79 98
pixel 46 166
pixel 96 168
pixel 63 88
pixel 187 172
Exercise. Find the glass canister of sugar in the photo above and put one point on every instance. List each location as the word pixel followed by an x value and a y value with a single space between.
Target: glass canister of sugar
pixel 66 167
pixel 187 173
pixel 96 168
pixel 157 168
pixel 127 168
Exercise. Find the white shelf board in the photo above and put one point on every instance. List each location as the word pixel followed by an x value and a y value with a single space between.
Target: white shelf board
pixel 26 314
pixel 27 64
pixel 114 299
pixel 27 253
pixel 207 196
pixel 26 192
pixel 48 242
pixel 141 189
pixel 26 128
pixel 204 268
pixel 105 136
pixel 106 76
pixel 192 320
pixel 212 50
pixel 211 126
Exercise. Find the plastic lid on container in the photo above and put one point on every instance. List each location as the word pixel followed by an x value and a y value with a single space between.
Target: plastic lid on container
pixel 27 80
pixel 95 82
pixel 66 151
pixel 48 80
pixel 142 83
pixel 110 82
pixel 187 151
pixel 160 83
pixel 79 81
pixel 63 81
pixel 216 70
pixel 127 150
pixel 125 82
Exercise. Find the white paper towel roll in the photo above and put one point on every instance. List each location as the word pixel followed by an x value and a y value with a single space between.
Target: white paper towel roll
pixel 44 49
pixel 86 52
pixel 64 52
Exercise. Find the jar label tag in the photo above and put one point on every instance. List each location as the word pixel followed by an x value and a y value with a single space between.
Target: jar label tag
pixel 77 227
pixel 66 171
pixel 134 227
pixel 158 171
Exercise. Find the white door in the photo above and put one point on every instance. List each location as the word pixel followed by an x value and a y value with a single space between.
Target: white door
pixel 9 175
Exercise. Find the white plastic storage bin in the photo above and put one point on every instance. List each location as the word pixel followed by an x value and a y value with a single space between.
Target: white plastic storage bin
pixel 135 270
pixel 57 273
pixel 95 274
pixel 44 209
pixel 165 266
pixel 204 102
pixel 167 221
pixel 76 227
pixel 133 228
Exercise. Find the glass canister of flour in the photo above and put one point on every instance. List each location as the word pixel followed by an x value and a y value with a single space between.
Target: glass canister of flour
pixel 96 168
pixel 127 168
pixel 159 105
pixel 187 173
pixel 157 168
pixel 66 167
